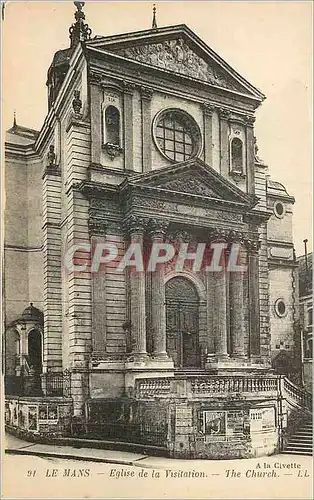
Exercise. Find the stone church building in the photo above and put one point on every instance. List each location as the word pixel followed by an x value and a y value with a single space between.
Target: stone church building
pixel 149 138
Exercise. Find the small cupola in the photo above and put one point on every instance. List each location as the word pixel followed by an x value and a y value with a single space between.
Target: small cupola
pixel 78 32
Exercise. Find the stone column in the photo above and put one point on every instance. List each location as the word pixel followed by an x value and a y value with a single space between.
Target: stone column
pixel 137 291
pixel 224 115
pixel 250 160
pixel 146 96
pixel 157 233
pixel 220 302
pixel 208 110
pixel 128 89
pixel 237 307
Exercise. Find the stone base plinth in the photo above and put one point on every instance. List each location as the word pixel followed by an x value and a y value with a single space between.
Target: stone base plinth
pixel 236 365
pixel 150 368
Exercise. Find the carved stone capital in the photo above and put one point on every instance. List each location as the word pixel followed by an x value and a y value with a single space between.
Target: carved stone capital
pixel 146 93
pixel 157 228
pixel 208 108
pixel 97 227
pixel 236 237
pixel 252 246
pixel 224 113
pixel 218 235
pixel 94 78
pixel 249 120
pixel 136 224
pixel 227 236
pixel 128 87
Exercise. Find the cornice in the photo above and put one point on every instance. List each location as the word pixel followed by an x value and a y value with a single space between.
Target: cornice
pixel 92 188
pixel 281 197
pixel 179 196
pixel 97 167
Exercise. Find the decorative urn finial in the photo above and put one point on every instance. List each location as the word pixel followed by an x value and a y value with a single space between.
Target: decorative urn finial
pixel 79 31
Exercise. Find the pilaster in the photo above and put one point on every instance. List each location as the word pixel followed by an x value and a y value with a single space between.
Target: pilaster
pixel 250 160
pixel 208 110
pixel 146 96
pixel 224 115
pixel 254 320
pixel 128 89
pixel 52 348
pixel 98 285
pixel 96 122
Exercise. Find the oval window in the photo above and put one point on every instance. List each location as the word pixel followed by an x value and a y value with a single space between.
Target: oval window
pixel 279 209
pixel 280 308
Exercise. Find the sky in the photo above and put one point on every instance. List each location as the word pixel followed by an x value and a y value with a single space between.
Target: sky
pixel 269 43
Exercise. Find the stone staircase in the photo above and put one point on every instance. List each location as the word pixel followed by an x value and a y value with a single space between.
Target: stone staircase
pixel 301 442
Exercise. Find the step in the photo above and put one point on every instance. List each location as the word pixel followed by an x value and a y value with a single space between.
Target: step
pixel 295 448
pixel 295 442
pixel 301 434
pixel 294 452
pixel 301 441
pixel 301 438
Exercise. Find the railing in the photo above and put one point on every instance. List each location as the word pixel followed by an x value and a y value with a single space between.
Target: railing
pixel 296 395
pixel 139 433
pixel 56 384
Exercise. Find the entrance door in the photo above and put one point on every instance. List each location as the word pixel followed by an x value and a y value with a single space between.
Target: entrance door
pixel 35 350
pixel 182 309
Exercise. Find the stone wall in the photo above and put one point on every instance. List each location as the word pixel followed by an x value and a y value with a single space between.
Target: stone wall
pixel 32 416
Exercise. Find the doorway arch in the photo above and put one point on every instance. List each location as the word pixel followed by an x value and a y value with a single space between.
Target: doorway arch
pixel 34 342
pixel 182 322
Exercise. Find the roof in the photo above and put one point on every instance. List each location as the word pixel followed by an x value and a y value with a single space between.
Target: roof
pixel 62 56
pixel 31 313
pixel 277 189
pixel 21 136
pixel 305 276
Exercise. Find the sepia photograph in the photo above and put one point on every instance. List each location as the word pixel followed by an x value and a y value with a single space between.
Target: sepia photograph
pixel 157 202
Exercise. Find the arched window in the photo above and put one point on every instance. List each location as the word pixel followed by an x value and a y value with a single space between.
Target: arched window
pixel 112 126
pixel 236 156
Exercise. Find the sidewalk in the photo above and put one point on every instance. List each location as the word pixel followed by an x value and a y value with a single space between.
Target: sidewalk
pixel 16 446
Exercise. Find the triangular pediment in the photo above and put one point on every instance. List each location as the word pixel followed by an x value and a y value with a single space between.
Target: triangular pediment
pixel 179 50
pixel 193 178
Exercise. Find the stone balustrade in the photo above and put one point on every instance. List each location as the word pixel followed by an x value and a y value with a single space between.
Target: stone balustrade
pixel 296 395
pixel 205 386
pixel 152 387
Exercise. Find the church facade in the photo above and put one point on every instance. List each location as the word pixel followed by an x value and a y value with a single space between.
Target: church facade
pixel 148 146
